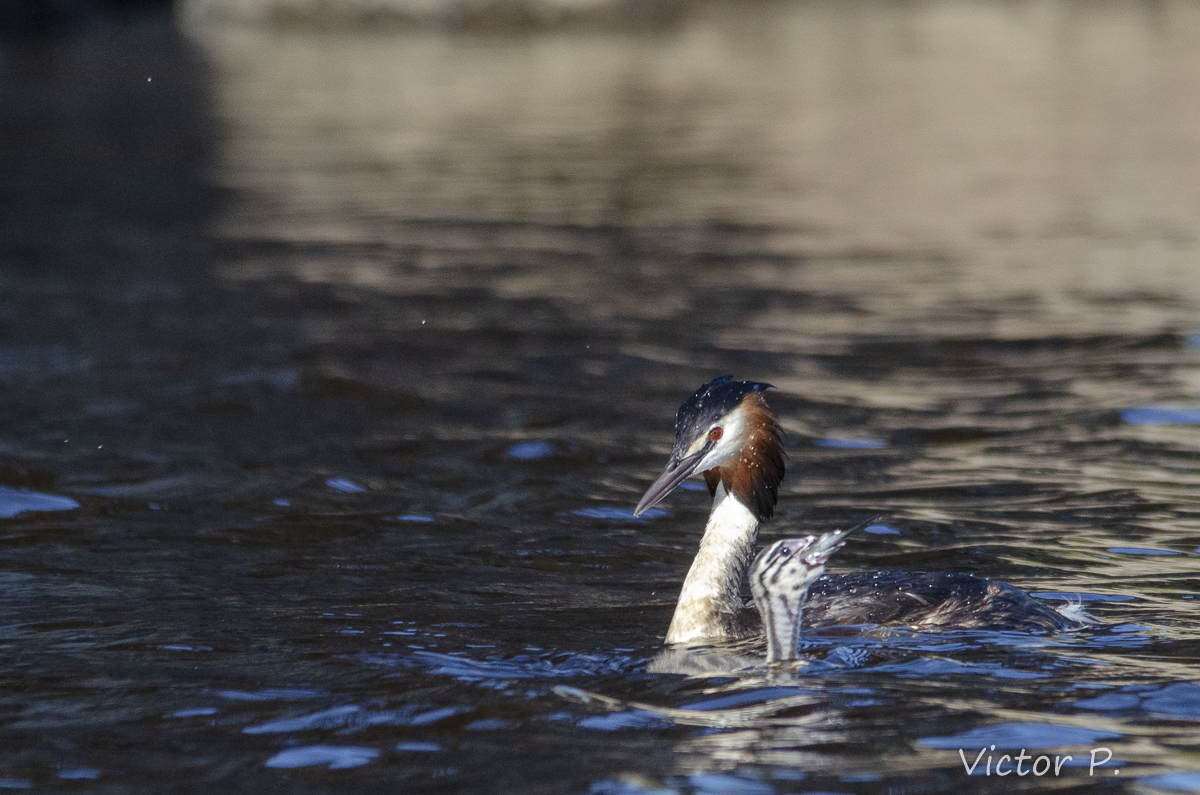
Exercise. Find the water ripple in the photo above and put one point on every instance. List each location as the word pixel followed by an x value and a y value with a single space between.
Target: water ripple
pixel 16 501
pixel 334 757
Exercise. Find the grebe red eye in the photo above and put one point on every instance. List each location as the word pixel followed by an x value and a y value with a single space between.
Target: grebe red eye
pixel 715 434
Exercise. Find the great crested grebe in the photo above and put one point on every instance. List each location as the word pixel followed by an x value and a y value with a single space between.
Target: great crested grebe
pixel 726 431
pixel 779 579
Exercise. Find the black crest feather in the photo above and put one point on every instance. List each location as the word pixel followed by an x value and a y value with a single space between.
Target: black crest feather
pixel 711 402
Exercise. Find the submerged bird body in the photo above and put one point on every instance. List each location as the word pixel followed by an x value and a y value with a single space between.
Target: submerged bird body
pixel 726 431
pixel 929 600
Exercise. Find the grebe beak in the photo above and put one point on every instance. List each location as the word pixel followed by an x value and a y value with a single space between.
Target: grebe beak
pixel 675 473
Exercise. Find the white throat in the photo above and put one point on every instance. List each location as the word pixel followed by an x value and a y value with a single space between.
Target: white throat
pixel 710 602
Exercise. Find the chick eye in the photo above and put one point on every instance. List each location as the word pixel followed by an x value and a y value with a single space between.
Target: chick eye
pixel 715 434
pixel 785 551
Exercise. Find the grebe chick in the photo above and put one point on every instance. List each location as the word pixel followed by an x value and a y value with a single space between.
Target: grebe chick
pixel 779 579
pixel 726 431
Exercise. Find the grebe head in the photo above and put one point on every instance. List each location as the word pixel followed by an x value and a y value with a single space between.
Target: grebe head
pixel 792 556
pixel 786 568
pixel 726 431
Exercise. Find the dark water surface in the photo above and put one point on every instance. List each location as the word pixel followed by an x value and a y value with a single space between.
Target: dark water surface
pixel 332 364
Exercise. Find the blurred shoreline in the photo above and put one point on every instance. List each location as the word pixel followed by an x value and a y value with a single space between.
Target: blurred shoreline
pixel 466 15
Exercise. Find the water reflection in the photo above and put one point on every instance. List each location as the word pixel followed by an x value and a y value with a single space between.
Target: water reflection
pixel 1033 154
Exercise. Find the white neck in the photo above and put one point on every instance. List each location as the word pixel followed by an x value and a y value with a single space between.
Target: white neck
pixel 710 601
